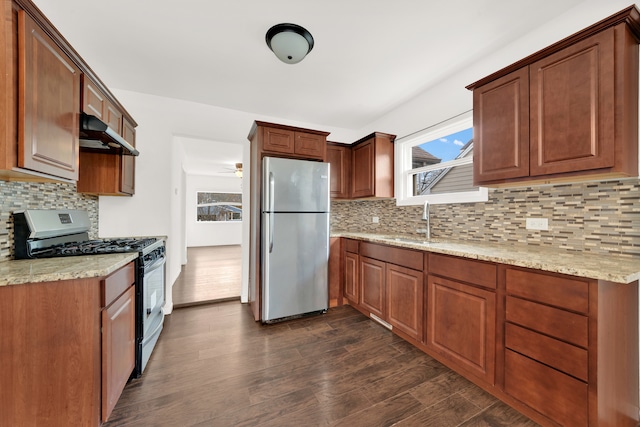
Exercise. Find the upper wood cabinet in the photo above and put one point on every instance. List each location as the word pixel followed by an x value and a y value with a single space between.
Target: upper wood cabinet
pixel 43 92
pixel 339 159
pixel 100 173
pixel 293 142
pixel 372 166
pixel 567 112
pixel 49 98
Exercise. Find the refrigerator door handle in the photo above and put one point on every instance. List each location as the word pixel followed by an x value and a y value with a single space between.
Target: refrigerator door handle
pixel 272 187
pixel 271 232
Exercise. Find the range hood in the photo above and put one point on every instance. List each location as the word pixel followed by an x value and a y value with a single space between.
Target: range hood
pixel 97 135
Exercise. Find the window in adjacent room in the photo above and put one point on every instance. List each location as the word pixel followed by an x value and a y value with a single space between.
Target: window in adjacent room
pixel 436 164
pixel 219 206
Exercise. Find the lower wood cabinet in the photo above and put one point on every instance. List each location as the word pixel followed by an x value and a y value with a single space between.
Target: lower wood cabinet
pixel 118 348
pixel 394 293
pixel 561 349
pixel 372 286
pixel 67 349
pixel 461 323
pixel 404 299
pixel 351 281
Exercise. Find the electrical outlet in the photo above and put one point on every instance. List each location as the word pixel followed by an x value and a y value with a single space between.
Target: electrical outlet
pixel 537 224
pixel 375 220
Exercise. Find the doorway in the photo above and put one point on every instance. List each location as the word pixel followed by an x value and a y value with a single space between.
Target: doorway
pixel 212 274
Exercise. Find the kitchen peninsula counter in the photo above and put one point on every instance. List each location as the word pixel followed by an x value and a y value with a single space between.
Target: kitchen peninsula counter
pixel 16 272
pixel 592 266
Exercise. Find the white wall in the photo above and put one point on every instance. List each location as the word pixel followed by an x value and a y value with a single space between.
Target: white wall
pixel 210 233
pixel 157 207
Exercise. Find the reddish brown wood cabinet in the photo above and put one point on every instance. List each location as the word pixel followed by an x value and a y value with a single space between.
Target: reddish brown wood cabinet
pixel 351 279
pixel 372 166
pixel 43 91
pixel 339 159
pixel 118 335
pixel 100 173
pixel 294 142
pixel 562 347
pixel 461 314
pixel 67 349
pixel 391 287
pixel 49 101
pixel 567 112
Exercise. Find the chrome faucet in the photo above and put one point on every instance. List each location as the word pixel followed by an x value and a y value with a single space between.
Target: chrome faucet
pixel 425 217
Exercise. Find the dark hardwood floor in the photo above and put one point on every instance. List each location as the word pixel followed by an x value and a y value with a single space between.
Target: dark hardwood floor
pixel 215 366
pixel 212 274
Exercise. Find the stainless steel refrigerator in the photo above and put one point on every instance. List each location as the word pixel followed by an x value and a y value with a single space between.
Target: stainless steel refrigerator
pixel 295 237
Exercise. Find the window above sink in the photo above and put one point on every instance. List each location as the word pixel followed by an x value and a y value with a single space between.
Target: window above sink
pixel 436 164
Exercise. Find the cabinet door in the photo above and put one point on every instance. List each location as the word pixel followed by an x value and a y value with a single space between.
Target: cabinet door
pixel 501 128
pixel 339 157
pixel 127 174
pixel 362 170
pixel 309 145
pixel 372 286
pixel 278 140
pixel 118 349
pixel 93 100
pixel 351 284
pixel 461 325
pixel 572 108
pixel 113 117
pixel 49 104
pixel 404 300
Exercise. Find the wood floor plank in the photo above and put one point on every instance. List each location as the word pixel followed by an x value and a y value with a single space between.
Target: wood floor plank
pixel 215 366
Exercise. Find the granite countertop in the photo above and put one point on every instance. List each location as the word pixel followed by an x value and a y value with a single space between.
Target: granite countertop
pixel 592 266
pixel 17 272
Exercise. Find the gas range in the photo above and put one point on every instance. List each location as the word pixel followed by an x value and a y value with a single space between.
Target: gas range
pixel 49 233
pixel 41 233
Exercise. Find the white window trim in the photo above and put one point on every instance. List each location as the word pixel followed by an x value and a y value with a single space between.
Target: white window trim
pixel 403 171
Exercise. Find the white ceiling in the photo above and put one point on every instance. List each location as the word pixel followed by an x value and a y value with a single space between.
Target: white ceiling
pixel 369 56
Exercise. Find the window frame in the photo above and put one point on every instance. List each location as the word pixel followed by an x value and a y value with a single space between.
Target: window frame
pixel 219 203
pixel 403 171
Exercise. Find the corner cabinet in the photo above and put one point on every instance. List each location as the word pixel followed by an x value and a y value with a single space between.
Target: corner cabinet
pixel 569 111
pixel 49 102
pixel 339 158
pixel 372 166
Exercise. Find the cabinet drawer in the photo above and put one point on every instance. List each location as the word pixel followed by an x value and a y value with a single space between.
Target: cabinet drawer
pixel 568 293
pixel 465 270
pixel 570 327
pixel 558 396
pixel 403 257
pixel 118 282
pixel 351 246
pixel 557 354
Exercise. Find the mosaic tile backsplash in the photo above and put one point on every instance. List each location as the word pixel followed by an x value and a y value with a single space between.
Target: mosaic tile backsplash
pixel 16 196
pixel 596 217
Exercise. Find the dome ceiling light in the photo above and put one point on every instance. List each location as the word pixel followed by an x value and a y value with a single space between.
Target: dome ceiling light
pixel 290 42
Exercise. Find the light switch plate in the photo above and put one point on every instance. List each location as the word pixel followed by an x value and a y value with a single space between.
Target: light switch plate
pixel 375 220
pixel 537 224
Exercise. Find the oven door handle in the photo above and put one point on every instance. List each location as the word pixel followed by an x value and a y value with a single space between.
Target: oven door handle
pixel 155 265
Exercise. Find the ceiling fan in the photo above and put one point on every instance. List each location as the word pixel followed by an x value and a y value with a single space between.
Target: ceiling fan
pixel 237 171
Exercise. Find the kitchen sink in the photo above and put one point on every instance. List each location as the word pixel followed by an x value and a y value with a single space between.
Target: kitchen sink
pixel 418 240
